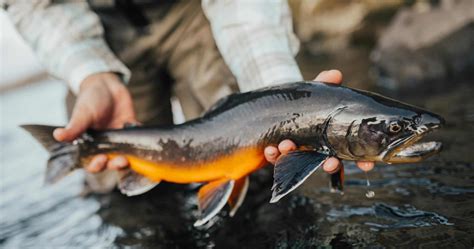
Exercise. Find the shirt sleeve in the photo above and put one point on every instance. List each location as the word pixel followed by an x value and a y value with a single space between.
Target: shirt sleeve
pixel 256 40
pixel 66 37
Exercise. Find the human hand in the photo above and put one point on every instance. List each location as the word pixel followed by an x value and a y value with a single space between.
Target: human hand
pixel 332 164
pixel 103 102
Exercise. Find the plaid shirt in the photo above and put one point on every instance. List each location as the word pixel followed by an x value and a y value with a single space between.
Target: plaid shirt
pixel 255 38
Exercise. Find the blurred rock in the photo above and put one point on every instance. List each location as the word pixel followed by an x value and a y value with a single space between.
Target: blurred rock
pixel 328 25
pixel 427 44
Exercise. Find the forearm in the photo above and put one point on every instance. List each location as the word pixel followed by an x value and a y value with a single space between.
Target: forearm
pixel 67 38
pixel 256 40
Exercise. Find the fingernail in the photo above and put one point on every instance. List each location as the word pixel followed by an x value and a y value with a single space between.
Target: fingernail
pixel 122 161
pixel 57 133
pixel 96 164
pixel 131 124
pixel 270 151
pixel 100 159
pixel 331 165
pixel 321 75
pixel 100 162
pixel 117 163
pixel 366 166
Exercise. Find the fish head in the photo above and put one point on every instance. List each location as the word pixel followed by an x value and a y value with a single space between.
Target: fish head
pixel 406 147
pixel 384 130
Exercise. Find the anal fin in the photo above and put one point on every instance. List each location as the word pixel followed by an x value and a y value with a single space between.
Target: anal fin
pixel 212 197
pixel 131 183
pixel 238 194
pixel 292 169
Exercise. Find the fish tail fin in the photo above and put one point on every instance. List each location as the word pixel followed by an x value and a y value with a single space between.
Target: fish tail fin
pixel 63 157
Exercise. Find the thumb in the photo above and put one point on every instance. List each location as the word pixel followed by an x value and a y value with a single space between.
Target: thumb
pixel 80 121
pixel 330 76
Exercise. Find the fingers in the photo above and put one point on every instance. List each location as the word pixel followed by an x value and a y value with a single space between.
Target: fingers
pixel 100 162
pixel 97 164
pixel 272 153
pixel 124 119
pixel 286 146
pixel 332 165
pixel 124 112
pixel 330 76
pixel 117 163
pixel 79 123
pixel 365 165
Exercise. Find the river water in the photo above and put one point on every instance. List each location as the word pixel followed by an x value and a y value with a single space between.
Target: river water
pixel 429 205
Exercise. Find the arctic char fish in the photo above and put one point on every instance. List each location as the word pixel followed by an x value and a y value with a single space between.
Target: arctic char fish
pixel 226 144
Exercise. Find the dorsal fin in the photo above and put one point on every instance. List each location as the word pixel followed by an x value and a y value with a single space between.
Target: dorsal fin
pixel 223 103
pixel 290 89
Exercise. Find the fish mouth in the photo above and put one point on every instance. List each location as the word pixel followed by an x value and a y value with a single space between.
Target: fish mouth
pixel 410 150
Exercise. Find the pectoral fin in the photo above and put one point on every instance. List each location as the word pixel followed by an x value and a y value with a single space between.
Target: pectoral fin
pixel 292 169
pixel 131 183
pixel 238 194
pixel 212 197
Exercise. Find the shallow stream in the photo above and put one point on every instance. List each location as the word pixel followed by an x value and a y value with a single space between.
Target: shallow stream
pixel 429 205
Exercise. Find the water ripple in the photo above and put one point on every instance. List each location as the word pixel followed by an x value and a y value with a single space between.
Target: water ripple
pixel 393 216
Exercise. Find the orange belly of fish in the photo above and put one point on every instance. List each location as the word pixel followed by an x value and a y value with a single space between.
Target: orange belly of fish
pixel 233 166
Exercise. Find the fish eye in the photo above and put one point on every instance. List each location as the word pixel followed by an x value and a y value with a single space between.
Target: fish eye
pixel 394 127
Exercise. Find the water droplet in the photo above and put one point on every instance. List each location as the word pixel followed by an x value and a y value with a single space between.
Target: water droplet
pixel 369 193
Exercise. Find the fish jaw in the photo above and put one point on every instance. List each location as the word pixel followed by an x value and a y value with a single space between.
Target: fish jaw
pixel 409 150
pixel 417 152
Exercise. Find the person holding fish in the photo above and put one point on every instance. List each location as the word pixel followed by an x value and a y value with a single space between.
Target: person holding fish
pixel 209 50
pixel 119 56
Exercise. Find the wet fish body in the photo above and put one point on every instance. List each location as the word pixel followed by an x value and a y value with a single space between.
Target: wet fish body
pixel 226 144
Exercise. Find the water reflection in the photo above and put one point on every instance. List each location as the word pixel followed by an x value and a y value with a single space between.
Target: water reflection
pixel 393 216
